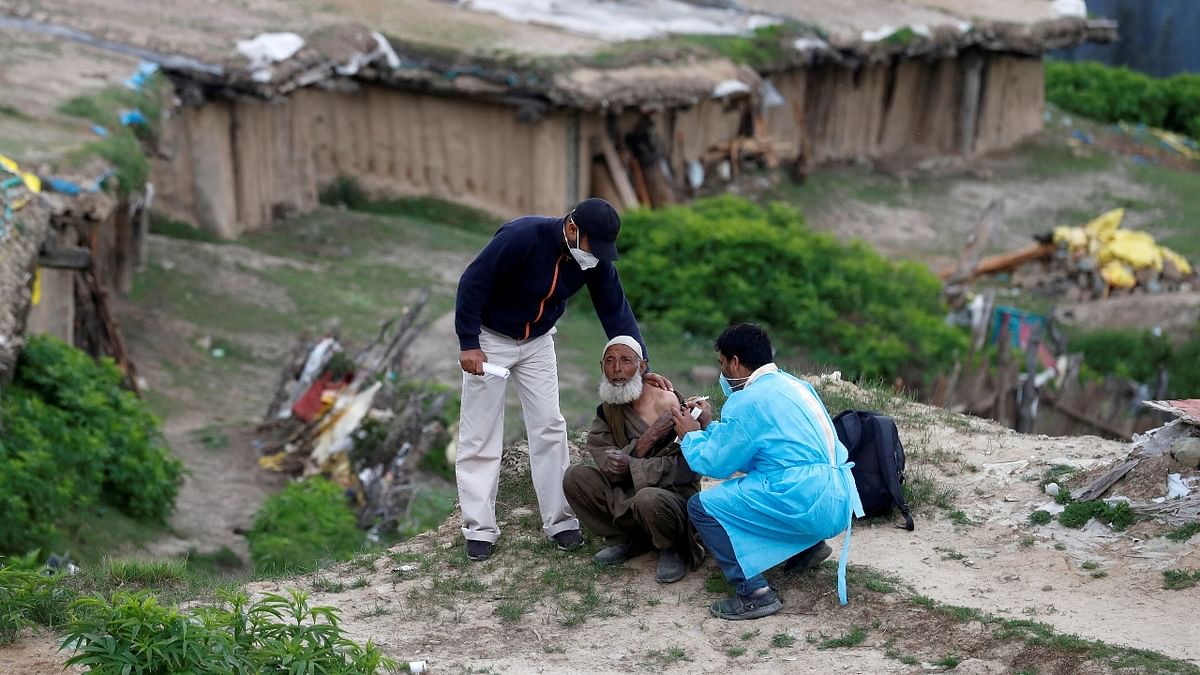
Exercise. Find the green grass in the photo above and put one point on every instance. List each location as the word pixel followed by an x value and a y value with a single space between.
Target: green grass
pixel 949 662
pixel 853 638
pixel 1044 160
pixel 221 562
pixel 959 518
pixel 1184 532
pixel 1174 580
pixel 9 111
pixel 668 656
pixel 734 652
pixel 92 534
pixel 782 640
pixel 715 583
pixel 1178 221
pixel 1040 517
pixel 176 229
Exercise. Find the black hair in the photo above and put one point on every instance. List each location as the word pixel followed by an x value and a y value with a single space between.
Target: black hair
pixel 748 342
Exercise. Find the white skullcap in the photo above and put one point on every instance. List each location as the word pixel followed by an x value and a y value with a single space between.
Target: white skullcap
pixel 628 341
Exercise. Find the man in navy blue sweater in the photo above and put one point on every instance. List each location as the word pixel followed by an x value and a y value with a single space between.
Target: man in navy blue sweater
pixel 509 299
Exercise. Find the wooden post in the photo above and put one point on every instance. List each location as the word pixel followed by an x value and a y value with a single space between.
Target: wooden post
pixel 1029 392
pixel 616 171
pixel 1000 408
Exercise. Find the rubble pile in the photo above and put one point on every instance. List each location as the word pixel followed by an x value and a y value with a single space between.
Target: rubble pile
pixel 1101 260
pixel 356 420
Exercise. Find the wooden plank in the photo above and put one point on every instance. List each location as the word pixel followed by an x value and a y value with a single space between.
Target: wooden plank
pixel 1103 483
pixel 977 243
pixel 1029 392
pixel 616 171
pixel 66 258
pixel 1006 261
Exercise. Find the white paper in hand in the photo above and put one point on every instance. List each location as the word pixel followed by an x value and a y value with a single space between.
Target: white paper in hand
pixel 492 369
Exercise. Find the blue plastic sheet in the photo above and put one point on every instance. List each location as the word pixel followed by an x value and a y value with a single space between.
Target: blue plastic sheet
pixel 141 76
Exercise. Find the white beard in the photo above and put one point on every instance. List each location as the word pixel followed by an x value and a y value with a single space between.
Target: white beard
pixel 620 394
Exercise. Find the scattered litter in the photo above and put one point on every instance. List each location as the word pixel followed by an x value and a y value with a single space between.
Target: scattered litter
pixel 1176 487
pixel 132 118
pixel 1052 489
pixel 145 71
pixel 404 569
pixel 99 131
pixel 267 48
pixel 218 353
pixel 805 44
pixel 729 88
pixel 356 420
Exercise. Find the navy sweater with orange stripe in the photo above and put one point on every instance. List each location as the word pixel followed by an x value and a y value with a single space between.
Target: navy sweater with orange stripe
pixel 520 283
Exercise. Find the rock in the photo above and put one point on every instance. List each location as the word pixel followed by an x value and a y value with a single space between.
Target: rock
pixel 705 375
pixel 1187 452
pixel 1052 489
pixel 1047 588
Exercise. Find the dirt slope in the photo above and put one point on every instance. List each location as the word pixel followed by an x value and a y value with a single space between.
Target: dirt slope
pixel 516 614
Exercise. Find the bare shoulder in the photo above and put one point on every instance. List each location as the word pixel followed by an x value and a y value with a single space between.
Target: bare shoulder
pixel 664 400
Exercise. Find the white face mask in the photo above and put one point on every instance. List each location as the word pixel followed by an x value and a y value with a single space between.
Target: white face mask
pixel 585 259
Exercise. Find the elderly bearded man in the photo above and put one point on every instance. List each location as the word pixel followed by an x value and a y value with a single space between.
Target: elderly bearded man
pixel 636 495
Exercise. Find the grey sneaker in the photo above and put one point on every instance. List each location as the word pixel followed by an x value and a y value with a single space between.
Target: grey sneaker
pixel 619 553
pixel 807 559
pixel 743 607
pixel 479 550
pixel 569 540
pixel 670 566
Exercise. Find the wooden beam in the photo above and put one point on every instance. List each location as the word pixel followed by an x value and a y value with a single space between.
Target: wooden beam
pixel 616 170
pixel 977 243
pixel 1006 261
pixel 1103 483
pixel 66 258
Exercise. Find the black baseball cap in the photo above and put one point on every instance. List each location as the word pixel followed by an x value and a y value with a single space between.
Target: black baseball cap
pixel 601 223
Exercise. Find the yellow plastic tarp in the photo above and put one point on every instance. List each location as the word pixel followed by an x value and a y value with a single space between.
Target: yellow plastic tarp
pixel 31 180
pixel 1180 262
pixel 1138 249
pixel 1103 227
pixel 1075 238
pixel 1118 275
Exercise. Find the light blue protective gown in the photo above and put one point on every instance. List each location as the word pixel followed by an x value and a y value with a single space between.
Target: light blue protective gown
pixel 797 489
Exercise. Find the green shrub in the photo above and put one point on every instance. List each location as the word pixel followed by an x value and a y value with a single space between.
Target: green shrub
pixel 305 523
pixel 141 477
pixel 72 437
pixel 133 633
pixel 1118 94
pixel 1139 355
pixel 1117 516
pixel 1040 517
pixel 344 191
pixel 122 147
pixel 842 304
pixel 29 597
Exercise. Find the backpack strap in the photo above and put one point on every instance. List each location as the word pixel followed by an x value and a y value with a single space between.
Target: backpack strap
pixel 888 438
pixel 616 423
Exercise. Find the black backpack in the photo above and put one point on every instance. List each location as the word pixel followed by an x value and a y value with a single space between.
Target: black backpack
pixel 874 446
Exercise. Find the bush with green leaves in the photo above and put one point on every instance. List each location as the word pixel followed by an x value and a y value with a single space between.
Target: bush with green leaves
pixel 1139 356
pixel 1118 94
pixel 303 524
pixel 73 438
pixel 725 260
pixel 134 634
pixel 28 596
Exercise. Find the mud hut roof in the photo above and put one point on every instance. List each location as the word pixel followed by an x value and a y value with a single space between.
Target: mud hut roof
pixel 586 54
